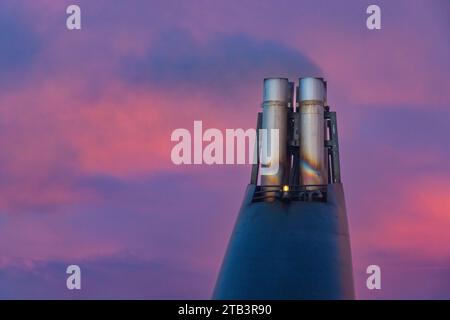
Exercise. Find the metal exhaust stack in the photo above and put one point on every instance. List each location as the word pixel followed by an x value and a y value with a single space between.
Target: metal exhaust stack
pixel 291 238
pixel 276 98
pixel 313 160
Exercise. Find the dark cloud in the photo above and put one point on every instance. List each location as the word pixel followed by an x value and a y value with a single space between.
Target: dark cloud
pixel 19 45
pixel 224 62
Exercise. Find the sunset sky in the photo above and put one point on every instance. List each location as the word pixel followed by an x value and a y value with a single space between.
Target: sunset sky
pixel 86 117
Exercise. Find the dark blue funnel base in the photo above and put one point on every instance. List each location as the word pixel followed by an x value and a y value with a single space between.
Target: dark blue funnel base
pixel 289 250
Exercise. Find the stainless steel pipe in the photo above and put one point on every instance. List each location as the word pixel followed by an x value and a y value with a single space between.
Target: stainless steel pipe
pixel 313 159
pixel 276 98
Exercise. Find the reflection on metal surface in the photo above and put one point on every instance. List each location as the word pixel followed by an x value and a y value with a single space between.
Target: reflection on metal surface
pixel 275 107
pixel 313 160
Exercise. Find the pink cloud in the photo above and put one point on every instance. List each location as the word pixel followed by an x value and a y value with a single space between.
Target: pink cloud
pixel 410 217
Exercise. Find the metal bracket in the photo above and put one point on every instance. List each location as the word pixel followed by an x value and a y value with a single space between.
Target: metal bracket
pixel 255 165
pixel 333 146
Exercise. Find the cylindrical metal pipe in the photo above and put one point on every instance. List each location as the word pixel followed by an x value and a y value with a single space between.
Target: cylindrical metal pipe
pixel 313 160
pixel 276 97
